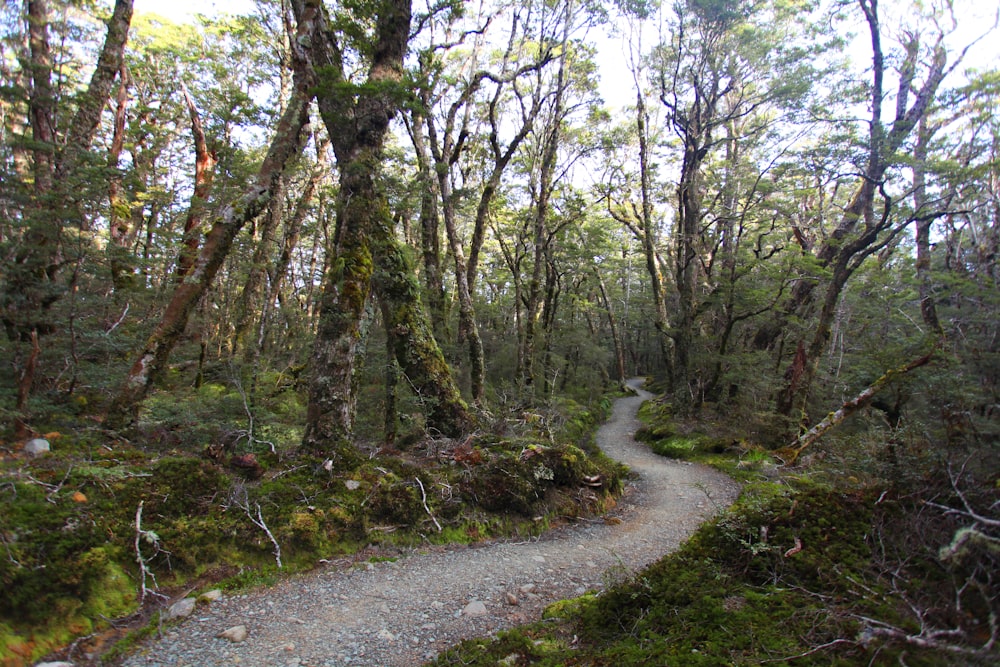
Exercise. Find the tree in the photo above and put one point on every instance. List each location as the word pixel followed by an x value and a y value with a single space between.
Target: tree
pixel 151 360
pixel 862 229
pixel 57 155
pixel 357 117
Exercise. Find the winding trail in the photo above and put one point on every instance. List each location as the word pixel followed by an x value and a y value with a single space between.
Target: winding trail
pixel 405 612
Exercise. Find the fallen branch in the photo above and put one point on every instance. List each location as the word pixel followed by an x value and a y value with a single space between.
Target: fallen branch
pixel 791 453
pixel 144 570
pixel 423 499
pixel 240 498
pixel 259 522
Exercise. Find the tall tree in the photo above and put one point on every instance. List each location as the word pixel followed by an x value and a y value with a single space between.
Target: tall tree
pixel 864 227
pixel 227 223
pixel 367 253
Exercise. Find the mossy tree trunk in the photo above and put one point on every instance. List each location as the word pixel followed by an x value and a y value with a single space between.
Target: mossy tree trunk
pixel 415 349
pixel 357 119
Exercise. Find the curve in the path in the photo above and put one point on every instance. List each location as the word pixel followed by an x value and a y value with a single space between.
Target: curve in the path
pixel 405 612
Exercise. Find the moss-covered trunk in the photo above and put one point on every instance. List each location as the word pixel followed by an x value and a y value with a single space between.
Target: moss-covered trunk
pixel 415 349
pixel 367 252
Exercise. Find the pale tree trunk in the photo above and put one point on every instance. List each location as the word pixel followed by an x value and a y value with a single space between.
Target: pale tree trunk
pixel 430 235
pixel 468 328
pixel 151 361
pixel 550 139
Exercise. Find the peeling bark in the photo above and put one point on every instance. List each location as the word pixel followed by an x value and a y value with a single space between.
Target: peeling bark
pixel 204 165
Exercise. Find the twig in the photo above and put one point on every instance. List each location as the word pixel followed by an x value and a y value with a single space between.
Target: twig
pixel 53 489
pixel 120 319
pixel 815 649
pixel 423 499
pixel 259 522
pixel 144 571
pixel 240 498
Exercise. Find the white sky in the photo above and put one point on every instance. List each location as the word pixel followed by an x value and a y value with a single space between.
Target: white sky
pixel 179 10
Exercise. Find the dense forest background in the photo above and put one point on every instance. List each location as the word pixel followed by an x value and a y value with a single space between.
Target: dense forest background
pixel 321 229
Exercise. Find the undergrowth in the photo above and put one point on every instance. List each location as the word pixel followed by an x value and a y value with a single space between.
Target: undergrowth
pixel 853 560
pixel 100 522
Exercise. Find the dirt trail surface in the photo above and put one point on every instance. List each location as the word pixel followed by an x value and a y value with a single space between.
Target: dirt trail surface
pixel 405 612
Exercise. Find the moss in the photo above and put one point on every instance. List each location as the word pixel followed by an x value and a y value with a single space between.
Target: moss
pixel 729 595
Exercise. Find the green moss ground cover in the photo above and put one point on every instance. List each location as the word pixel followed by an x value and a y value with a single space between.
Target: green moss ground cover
pixel 843 563
pixel 69 565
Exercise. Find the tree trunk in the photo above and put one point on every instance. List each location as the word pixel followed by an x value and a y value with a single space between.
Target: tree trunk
pixel 358 124
pixel 613 324
pixel 204 166
pixel 231 219
pixel 923 222
pixel 119 210
pixel 416 351
pixel 430 235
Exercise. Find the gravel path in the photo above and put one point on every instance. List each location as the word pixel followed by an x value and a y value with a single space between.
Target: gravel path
pixel 405 612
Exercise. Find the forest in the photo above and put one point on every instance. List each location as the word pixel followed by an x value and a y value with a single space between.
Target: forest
pixel 247 258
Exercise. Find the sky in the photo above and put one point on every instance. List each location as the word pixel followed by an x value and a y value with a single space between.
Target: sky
pixel 179 10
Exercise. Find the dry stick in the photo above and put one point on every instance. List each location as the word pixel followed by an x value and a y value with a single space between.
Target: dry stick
pixel 259 522
pixel 144 570
pixel 423 499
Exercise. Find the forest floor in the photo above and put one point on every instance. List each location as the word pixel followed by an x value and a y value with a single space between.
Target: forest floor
pixel 403 609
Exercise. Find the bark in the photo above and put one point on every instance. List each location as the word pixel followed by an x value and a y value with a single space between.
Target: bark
pixel 30 283
pixel 430 235
pixel 416 351
pixel 928 309
pixel 204 166
pixel 252 293
pixel 444 151
pixel 118 215
pixel 616 338
pixel 358 122
pixel 152 360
